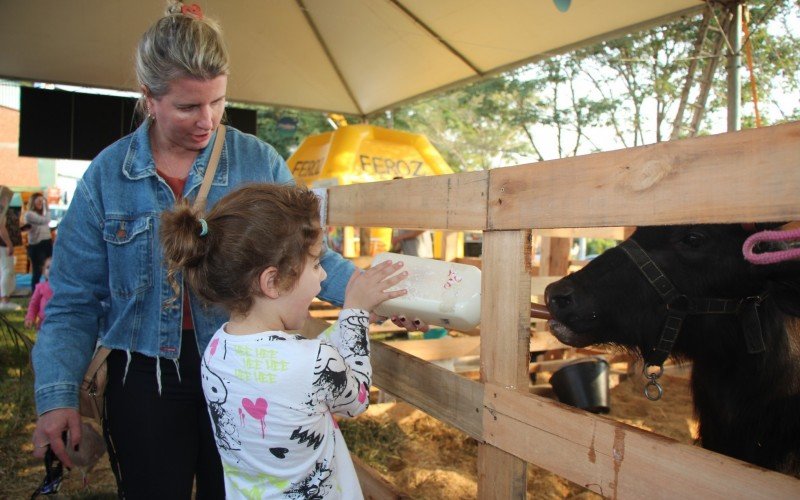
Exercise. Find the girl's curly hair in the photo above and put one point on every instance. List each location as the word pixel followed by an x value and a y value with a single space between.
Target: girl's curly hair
pixel 250 229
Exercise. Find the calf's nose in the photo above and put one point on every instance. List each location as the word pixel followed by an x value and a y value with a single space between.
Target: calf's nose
pixel 559 296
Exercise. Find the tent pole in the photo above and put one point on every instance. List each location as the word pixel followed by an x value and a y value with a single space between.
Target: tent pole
pixel 734 66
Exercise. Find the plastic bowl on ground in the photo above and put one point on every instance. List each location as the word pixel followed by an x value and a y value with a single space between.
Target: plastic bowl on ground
pixel 583 384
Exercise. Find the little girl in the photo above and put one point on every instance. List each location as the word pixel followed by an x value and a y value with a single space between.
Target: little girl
pixel 41 295
pixel 271 394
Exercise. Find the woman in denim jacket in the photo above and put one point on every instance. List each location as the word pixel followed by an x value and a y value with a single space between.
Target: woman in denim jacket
pixel 108 270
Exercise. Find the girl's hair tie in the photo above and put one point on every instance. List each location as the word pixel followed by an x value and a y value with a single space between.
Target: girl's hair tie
pixel 193 10
pixel 203 227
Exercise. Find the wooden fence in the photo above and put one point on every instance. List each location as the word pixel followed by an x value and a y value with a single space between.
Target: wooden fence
pixel 748 176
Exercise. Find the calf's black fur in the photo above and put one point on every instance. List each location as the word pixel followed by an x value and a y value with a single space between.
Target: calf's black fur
pixel 747 404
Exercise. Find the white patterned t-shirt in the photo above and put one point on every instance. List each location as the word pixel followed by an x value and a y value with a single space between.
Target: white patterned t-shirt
pixel 271 397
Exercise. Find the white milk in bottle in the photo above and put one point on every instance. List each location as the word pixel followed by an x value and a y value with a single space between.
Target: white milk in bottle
pixel 440 293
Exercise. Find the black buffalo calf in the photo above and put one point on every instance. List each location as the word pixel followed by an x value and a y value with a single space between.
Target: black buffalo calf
pixel 687 292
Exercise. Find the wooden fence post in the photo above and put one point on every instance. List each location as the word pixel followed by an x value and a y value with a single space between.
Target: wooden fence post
pixel 505 340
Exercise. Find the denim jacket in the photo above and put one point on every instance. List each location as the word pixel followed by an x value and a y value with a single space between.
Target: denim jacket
pixel 108 275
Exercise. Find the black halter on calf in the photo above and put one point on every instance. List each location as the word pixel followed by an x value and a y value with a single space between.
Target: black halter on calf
pixel 687 292
pixel 679 306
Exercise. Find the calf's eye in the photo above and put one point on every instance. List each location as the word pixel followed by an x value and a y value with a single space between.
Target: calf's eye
pixel 693 239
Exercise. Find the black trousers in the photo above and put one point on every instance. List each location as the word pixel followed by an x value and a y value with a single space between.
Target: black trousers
pixel 159 444
pixel 38 253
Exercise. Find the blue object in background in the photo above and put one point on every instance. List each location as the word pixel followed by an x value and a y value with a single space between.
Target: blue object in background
pixel 16 201
pixel 23 281
pixel 23 285
pixel 435 333
pixel 562 5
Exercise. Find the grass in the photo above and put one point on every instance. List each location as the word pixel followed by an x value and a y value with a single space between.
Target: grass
pixel 16 377
pixel 17 415
pixel 20 472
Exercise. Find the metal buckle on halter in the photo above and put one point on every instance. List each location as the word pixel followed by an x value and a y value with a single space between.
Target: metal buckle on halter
pixel 681 304
pixel 652 383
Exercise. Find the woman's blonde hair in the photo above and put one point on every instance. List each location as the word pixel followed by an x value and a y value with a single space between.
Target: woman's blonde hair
pixel 176 46
pixel 250 229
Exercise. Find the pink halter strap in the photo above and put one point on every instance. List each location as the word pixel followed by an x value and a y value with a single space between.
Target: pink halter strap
pixel 771 257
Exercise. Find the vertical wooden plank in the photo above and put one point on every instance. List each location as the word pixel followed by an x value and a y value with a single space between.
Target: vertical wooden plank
pixel 544 256
pixel 560 256
pixel 505 339
pixel 449 245
pixel 557 263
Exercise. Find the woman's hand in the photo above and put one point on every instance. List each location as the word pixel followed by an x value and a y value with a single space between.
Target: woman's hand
pixel 367 288
pixel 28 323
pixel 49 429
pixel 412 325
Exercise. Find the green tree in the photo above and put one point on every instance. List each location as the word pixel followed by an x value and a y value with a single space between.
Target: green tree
pixel 468 126
pixel 619 93
pixel 286 142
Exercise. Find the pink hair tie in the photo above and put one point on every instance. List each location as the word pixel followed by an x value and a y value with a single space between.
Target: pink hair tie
pixel 771 257
pixel 193 10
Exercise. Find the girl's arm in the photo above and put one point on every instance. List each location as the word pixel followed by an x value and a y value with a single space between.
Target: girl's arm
pixel 343 373
pixel 34 306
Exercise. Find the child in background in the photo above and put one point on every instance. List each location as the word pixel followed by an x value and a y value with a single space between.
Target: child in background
pixel 272 394
pixel 41 295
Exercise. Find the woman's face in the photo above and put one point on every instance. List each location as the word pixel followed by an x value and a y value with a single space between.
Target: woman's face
pixel 187 115
pixel 38 202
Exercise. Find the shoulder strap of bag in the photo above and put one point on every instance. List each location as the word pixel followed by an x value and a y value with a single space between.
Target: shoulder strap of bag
pixel 98 359
pixel 200 201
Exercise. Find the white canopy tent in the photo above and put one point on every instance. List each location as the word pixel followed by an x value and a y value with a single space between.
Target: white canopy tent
pixel 348 56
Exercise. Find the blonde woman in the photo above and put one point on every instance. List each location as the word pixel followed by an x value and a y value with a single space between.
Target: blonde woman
pixel 108 270
pixel 40 245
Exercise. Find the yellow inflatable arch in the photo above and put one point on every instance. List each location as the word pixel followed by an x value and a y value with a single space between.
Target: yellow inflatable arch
pixel 366 153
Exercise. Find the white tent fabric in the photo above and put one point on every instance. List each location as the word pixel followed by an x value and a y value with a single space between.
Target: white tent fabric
pixel 347 56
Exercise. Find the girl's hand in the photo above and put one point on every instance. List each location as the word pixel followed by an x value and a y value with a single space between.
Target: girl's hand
pixel 28 323
pixel 368 288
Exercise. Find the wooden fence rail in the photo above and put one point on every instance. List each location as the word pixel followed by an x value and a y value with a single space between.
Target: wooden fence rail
pixel 746 176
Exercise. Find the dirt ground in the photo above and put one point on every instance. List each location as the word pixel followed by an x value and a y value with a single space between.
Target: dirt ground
pixel 421 456
pixel 427 459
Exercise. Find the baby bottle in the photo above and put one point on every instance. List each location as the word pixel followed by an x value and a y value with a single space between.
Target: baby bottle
pixel 440 293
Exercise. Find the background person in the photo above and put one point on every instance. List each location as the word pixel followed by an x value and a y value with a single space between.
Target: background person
pixel 257 254
pixel 41 296
pixel 7 275
pixel 107 269
pixel 40 244
pixel 413 242
pixel 418 243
